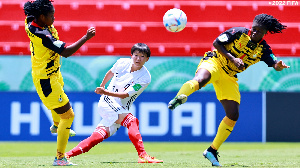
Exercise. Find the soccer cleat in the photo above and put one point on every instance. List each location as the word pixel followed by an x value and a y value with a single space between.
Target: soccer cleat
pixel 178 100
pixel 148 159
pixel 63 162
pixel 67 156
pixel 212 157
pixel 53 130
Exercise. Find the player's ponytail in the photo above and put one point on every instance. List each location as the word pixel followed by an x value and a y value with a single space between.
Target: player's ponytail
pixel 272 24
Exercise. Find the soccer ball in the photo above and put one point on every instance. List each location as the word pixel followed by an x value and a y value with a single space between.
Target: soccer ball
pixel 175 20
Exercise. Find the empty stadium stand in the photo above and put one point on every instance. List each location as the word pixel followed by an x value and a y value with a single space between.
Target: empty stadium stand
pixel 120 24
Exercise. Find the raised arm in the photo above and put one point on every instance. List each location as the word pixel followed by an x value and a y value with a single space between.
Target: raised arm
pixel 71 49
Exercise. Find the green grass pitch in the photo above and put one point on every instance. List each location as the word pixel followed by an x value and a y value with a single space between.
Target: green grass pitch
pixel 175 155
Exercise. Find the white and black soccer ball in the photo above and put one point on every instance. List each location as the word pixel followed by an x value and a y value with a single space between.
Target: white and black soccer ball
pixel 175 20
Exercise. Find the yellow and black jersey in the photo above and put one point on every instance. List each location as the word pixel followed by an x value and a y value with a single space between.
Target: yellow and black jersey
pixel 45 48
pixel 237 41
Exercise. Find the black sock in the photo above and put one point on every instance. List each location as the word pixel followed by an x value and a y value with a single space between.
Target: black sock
pixel 210 149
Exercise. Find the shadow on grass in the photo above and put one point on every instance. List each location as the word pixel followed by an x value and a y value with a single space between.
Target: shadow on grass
pixel 235 165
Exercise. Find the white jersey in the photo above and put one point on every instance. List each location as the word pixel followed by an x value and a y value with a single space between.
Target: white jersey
pixel 133 83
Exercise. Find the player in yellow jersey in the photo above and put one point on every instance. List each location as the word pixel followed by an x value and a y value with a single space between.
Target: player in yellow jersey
pixel 236 49
pixel 46 49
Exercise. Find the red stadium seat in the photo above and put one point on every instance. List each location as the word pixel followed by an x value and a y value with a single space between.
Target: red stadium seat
pixel 194 13
pixel 120 24
pixel 134 34
pixel 13 33
pixel 12 12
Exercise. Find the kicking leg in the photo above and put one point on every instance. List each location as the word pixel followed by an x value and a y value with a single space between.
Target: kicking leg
pixel 201 78
pixel 97 136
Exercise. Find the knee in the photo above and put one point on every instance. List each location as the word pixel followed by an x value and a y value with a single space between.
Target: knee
pixel 202 76
pixel 233 116
pixel 202 80
pixel 129 120
pixel 103 131
pixel 113 129
pixel 68 115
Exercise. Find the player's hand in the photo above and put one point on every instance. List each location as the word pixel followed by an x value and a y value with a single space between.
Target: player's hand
pixel 100 90
pixel 91 32
pixel 238 63
pixel 281 65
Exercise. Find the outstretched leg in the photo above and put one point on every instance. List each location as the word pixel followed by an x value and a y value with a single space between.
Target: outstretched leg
pixel 201 78
pixel 97 136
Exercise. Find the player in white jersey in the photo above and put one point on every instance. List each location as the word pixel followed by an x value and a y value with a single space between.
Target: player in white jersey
pixel 129 78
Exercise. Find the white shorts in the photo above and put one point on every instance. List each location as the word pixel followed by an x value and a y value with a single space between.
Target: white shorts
pixel 109 110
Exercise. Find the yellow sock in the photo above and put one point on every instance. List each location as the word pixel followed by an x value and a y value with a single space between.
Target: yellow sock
pixel 63 132
pixel 189 87
pixel 224 130
pixel 55 117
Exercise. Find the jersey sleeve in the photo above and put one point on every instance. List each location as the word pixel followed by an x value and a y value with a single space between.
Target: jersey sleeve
pixel 268 57
pixel 140 85
pixel 137 88
pixel 230 35
pixel 50 42
pixel 119 65
pixel 114 67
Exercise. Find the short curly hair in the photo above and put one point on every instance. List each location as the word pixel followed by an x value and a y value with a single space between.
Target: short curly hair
pixel 37 8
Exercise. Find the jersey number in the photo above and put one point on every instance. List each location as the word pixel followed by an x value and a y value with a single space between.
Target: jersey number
pixel 114 89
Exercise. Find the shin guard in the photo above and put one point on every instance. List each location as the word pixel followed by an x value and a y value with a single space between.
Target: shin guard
pixel 132 123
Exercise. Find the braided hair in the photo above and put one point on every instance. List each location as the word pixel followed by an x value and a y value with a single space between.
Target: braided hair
pixel 272 24
pixel 33 9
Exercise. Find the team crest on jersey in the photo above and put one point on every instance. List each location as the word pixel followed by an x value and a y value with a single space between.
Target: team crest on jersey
pixel 58 43
pixel 137 87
